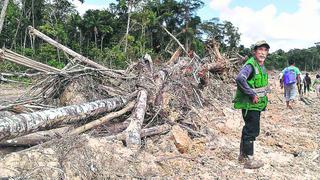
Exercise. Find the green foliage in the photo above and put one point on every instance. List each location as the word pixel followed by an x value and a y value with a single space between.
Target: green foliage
pixel 6 66
pixel 114 57
pixel 46 53
pixel 55 63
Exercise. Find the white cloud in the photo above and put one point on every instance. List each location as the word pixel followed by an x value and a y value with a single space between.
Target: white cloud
pixel 282 30
pixel 83 7
pixel 219 4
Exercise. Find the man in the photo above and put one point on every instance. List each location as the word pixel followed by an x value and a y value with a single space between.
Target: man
pixel 301 85
pixel 252 86
pixel 307 83
pixel 291 75
pixel 316 84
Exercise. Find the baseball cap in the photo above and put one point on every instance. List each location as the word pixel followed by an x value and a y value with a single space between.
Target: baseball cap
pixel 261 43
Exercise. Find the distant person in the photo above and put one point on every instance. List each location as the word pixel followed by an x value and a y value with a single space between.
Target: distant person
pixel 307 83
pixel 291 75
pixel 316 85
pixel 280 78
pixel 301 85
pixel 252 83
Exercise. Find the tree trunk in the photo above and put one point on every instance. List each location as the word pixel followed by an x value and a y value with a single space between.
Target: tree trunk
pixel 128 26
pixel 35 138
pixel 22 124
pixel 77 56
pixel 133 136
pixel 3 13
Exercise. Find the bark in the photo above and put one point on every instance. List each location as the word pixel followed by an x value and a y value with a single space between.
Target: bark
pixel 102 120
pixel 22 124
pixel 3 13
pixel 128 26
pixel 35 138
pixel 133 136
pixel 77 56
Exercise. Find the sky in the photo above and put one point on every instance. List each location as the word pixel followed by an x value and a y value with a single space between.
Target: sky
pixel 284 24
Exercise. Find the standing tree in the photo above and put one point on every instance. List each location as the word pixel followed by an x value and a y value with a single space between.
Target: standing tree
pixel 3 13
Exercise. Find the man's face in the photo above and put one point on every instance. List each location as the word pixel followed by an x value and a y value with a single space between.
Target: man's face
pixel 261 54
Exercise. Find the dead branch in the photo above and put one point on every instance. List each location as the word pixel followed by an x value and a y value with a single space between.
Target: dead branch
pixel 77 56
pixel 181 46
pixel 102 120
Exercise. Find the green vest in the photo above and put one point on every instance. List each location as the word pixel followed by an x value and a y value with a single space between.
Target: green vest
pixel 259 80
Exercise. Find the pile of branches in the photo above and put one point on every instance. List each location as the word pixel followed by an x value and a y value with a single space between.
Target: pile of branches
pixel 126 105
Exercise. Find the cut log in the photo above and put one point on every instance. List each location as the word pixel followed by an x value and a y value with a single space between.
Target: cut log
pixel 35 138
pixel 133 136
pixel 76 56
pixel 22 124
pixel 102 120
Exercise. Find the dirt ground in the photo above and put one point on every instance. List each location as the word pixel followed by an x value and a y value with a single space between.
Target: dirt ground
pixel 10 92
pixel 288 144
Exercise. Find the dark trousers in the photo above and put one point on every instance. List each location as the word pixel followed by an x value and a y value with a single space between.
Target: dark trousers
pixel 306 87
pixel 250 131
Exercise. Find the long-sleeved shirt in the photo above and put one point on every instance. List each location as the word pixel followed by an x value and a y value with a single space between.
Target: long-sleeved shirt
pixel 316 82
pixel 241 80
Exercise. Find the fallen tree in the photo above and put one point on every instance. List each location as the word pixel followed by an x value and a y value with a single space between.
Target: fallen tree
pixel 26 123
pixel 168 94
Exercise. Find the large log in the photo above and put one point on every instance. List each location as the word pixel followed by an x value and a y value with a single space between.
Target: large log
pixel 35 138
pixel 76 56
pixel 133 136
pixel 22 124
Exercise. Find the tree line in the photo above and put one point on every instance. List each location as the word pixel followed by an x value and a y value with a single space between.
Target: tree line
pixel 124 32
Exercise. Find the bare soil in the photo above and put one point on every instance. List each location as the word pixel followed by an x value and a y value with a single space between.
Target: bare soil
pixel 10 92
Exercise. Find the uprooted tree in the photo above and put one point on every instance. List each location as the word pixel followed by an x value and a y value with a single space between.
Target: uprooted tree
pixel 142 100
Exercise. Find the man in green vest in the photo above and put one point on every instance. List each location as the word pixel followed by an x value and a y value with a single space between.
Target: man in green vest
pixel 252 87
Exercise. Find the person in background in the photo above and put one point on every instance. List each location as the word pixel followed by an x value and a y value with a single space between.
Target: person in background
pixel 307 83
pixel 301 85
pixel 252 84
pixel 316 85
pixel 291 75
pixel 280 78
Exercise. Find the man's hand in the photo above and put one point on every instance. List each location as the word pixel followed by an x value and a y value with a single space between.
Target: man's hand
pixel 255 99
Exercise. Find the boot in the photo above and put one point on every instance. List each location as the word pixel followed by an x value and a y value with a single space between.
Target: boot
pixel 251 163
pixel 242 156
